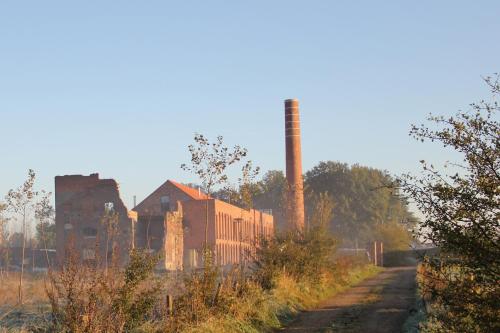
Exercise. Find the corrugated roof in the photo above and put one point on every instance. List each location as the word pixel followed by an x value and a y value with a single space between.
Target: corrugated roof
pixel 193 193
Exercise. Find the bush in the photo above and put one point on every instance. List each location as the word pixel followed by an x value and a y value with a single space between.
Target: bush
pixel 461 210
pixel 301 256
pixel 478 311
pixel 85 298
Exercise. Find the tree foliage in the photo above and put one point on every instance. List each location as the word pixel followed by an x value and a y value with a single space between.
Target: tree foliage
pixel 21 202
pixel 462 216
pixel 45 227
pixel 366 207
pixel 210 161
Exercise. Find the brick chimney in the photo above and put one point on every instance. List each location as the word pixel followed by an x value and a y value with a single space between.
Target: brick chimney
pixel 295 195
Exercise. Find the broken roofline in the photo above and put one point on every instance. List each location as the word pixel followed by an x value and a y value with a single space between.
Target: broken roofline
pixel 82 183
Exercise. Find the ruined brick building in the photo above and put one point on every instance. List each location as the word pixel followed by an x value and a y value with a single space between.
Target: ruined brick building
pixel 91 218
pixel 170 221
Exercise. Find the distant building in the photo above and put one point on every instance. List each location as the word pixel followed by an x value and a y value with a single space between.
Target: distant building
pixel 170 222
pixel 233 232
pixel 82 204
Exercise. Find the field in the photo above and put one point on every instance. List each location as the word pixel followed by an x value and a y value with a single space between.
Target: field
pixel 276 307
pixel 35 306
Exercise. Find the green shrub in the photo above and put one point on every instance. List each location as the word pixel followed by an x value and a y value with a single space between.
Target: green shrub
pixel 301 256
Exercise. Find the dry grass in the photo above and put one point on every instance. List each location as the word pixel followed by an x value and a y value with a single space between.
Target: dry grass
pixel 33 289
pixel 17 318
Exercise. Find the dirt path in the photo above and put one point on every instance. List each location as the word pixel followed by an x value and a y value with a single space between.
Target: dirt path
pixel 377 305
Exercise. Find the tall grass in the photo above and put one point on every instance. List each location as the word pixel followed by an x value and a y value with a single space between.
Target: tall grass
pixel 290 273
pixel 263 310
pixel 15 317
pixel 34 288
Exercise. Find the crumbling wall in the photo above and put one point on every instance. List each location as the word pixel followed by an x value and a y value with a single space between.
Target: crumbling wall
pixel 91 219
pixel 163 235
pixel 174 239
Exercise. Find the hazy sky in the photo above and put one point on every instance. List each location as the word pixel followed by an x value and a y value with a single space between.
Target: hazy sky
pixel 119 87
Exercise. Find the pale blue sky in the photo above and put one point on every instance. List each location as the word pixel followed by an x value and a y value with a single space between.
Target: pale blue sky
pixel 119 87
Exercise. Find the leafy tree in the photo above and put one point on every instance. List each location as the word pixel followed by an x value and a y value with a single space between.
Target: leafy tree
pixel 26 204
pixel 395 236
pixel 109 222
pixel 244 192
pixel 21 202
pixel 272 191
pixel 462 216
pixel 303 257
pixel 365 202
pixel 210 161
pixel 46 235
pixel 46 227
pixel 247 186
pixel 363 199
pixel 322 212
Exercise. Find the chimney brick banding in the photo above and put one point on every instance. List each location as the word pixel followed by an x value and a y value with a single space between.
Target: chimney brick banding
pixel 295 211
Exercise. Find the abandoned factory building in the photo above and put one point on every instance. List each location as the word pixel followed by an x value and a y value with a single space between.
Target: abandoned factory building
pixel 171 221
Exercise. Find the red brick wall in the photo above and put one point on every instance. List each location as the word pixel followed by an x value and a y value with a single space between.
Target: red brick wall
pixel 80 206
pixel 295 197
pixel 233 233
pixel 152 206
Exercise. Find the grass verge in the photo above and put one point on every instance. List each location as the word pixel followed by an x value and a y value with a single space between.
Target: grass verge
pixel 266 311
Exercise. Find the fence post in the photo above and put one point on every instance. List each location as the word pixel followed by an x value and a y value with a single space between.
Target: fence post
pixel 170 304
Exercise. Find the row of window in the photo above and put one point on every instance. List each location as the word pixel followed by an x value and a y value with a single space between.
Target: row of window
pixel 238 229
pixel 233 253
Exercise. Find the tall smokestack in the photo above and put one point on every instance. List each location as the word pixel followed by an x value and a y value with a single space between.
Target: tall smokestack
pixel 295 197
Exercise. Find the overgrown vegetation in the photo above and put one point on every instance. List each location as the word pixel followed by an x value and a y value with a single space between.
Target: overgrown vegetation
pixel 25 205
pixel 288 272
pixel 303 257
pixel 462 218
pixel 291 272
pixel 366 205
pixel 86 298
pixel 209 162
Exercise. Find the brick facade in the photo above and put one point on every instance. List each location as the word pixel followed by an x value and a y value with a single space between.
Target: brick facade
pixel 233 232
pixel 295 182
pixel 171 222
pixel 82 204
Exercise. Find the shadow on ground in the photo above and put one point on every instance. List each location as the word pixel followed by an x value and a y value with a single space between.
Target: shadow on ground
pixel 377 305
